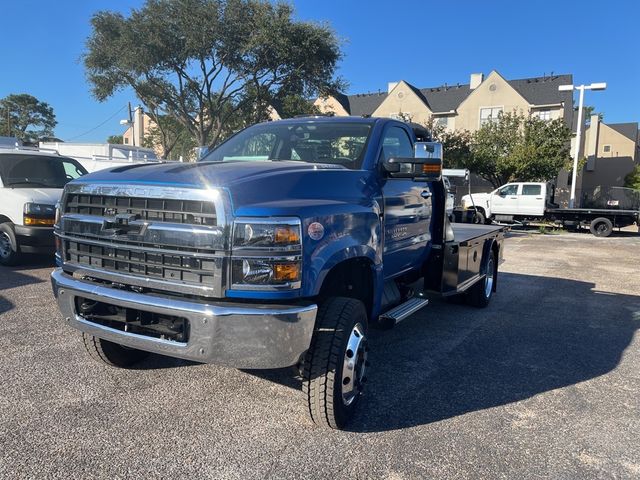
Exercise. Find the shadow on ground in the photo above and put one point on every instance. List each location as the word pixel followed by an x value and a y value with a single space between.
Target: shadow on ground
pixel 539 334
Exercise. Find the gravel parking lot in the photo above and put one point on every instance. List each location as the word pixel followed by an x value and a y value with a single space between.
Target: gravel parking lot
pixel 543 383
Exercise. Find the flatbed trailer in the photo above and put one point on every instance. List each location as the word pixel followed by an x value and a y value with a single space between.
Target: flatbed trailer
pixel 601 222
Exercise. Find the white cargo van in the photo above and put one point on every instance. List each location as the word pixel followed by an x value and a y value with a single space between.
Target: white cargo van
pixel 31 184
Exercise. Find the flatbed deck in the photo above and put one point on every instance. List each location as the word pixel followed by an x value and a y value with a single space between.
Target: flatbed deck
pixel 464 233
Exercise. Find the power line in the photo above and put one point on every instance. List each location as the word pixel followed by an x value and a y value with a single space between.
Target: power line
pixel 97 126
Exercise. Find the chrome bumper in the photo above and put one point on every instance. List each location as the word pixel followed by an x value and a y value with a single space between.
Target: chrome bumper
pixel 255 336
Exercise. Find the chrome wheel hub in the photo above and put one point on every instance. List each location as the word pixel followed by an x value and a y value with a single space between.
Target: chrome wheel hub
pixel 5 245
pixel 354 364
pixel 488 279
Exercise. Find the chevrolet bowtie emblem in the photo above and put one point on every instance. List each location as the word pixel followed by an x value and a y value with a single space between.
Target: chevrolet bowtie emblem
pixel 121 224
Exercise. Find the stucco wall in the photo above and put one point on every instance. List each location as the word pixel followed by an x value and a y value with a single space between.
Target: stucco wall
pixel 493 92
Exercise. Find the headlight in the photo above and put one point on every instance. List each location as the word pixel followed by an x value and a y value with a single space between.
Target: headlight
pixel 39 214
pixel 263 271
pixel 266 253
pixel 267 235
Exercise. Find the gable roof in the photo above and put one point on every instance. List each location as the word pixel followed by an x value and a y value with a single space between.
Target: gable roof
pixel 440 99
pixel 629 130
pixel 445 98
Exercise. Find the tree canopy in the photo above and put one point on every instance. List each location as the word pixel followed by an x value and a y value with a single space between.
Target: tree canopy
pixel 25 117
pixel 515 147
pixel 213 65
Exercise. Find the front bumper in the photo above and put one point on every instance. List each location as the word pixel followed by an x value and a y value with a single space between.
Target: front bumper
pixel 236 335
pixel 35 239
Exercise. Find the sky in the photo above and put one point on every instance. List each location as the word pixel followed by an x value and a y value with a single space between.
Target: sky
pixel 427 43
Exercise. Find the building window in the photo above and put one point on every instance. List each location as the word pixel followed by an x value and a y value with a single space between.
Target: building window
pixel 441 122
pixel 544 115
pixel 489 114
pixel 126 141
pixel 606 148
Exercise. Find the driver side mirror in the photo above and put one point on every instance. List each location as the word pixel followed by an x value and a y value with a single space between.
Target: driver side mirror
pixel 425 165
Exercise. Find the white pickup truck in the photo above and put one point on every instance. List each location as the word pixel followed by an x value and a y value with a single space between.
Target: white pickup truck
pixel 523 202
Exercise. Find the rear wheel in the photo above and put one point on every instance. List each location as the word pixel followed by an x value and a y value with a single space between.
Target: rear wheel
pixel 9 248
pixel 111 353
pixel 334 367
pixel 480 294
pixel 601 227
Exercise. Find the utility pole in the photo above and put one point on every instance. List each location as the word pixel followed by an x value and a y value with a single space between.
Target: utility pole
pixel 576 148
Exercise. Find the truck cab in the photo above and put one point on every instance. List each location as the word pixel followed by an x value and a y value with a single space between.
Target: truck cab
pixel 31 184
pixel 281 247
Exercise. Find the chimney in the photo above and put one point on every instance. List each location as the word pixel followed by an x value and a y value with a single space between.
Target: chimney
pixel 475 80
pixel 391 86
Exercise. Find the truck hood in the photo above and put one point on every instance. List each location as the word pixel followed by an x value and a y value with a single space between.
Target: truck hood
pixel 49 196
pixel 255 187
pixel 202 174
pixel 479 199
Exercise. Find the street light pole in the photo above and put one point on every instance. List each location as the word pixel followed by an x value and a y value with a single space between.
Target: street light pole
pixel 576 149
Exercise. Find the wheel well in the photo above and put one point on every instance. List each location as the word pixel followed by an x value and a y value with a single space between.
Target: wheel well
pixel 351 278
pixel 4 219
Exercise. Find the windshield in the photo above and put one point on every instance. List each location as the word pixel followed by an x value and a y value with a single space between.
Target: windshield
pixel 28 171
pixel 338 143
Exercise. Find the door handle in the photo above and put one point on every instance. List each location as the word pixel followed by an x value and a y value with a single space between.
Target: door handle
pixel 426 194
pixel 513 198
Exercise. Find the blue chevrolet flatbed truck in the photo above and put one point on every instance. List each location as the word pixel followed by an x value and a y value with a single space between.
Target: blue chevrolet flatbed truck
pixel 282 247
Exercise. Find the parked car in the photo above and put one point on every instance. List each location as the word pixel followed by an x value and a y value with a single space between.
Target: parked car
pixel 31 184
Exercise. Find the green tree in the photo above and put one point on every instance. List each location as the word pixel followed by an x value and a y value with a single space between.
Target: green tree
pixel 115 139
pixel 632 180
pixel 172 137
pixel 520 148
pixel 25 117
pixel 213 65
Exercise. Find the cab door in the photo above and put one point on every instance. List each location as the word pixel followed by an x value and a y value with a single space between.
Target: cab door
pixel 407 209
pixel 532 200
pixel 504 201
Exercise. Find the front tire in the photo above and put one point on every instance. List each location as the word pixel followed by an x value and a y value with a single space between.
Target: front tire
pixel 111 353
pixel 479 218
pixel 334 367
pixel 9 248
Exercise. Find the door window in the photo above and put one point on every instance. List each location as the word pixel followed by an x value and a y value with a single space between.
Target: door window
pixel 531 189
pixel 508 190
pixel 396 144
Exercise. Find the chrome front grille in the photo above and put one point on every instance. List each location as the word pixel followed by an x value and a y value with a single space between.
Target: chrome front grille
pixel 156 237
pixel 191 212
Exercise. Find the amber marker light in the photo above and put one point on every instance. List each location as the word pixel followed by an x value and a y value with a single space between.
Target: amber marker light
pixel 286 272
pixel 39 222
pixel 287 235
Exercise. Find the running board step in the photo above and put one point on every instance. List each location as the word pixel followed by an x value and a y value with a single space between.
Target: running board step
pixel 402 311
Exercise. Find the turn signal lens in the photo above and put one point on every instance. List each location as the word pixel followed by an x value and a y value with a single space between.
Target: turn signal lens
pixel 287 235
pixel 287 272
pixel 430 168
pixel 40 222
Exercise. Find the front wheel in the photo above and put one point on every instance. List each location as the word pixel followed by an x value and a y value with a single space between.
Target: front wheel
pixel 334 367
pixel 478 218
pixel 9 249
pixel 112 354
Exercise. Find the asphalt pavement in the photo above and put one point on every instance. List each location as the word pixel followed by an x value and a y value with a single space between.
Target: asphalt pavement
pixel 544 383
